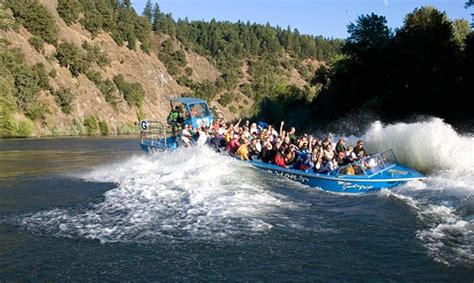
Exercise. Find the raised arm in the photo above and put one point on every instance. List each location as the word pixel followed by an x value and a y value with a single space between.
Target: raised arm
pixel 281 128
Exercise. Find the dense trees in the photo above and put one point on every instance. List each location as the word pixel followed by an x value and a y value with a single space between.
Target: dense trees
pixel 229 45
pixel 36 18
pixel 132 92
pixel 23 83
pixel 420 69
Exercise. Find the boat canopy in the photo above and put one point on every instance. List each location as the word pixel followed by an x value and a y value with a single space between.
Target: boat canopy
pixel 187 100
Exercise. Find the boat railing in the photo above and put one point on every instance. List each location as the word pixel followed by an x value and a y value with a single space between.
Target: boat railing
pixel 153 132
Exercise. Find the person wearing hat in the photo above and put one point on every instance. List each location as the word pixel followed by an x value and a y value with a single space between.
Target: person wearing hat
pixel 341 145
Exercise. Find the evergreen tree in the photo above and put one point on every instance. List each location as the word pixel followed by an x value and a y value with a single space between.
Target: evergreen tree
pixel 148 11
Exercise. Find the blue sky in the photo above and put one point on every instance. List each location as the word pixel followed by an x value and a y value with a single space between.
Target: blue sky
pixel 318 17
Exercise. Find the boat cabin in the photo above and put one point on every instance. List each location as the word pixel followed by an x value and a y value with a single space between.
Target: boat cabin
pixel 194 111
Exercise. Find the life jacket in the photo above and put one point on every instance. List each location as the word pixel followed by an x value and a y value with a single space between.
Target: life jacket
pixel 173 116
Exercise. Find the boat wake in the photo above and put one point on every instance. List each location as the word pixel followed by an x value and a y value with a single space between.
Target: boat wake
pixel 197 194
pixel 443 203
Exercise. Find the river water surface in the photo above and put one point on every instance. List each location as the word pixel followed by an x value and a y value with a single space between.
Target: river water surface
pixel 99 209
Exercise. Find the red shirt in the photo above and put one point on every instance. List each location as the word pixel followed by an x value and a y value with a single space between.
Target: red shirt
pixel 233 145
pixel 279 160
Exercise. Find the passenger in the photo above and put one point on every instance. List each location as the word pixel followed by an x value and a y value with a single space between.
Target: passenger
pixel 258 146
pixel 350 155
pixel 186 135
pixel 307 163
pixel 340 158
pixel 279 159
pixel 303 144
pixel 254 129
pixel 359 150
pixel 266 155
pixel 329 160
pixel 317 158
pixel 272 131
pixel 292 135
pixel 246 132
pixel 216 125
pixel 173 116
pixel 243 151
pixel 229 133
pixel 252 149
pixel 341 145
pixel 203 137
pixel 194 112
pixel 290 155
pixel 174 120
pixel 233 145
pixel 286 143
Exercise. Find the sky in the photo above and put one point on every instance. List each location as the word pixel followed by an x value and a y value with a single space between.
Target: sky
pixel 328 18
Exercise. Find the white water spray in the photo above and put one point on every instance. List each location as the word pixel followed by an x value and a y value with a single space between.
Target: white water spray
pixel 185 194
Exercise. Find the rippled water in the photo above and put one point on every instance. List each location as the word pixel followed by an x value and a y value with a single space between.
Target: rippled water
pixel 99 209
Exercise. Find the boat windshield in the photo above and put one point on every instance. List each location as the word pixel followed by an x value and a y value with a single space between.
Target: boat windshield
pixel 199 110
pixel 370 165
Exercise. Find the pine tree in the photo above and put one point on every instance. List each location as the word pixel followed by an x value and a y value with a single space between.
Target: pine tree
pixel 157 16
pixel 148 12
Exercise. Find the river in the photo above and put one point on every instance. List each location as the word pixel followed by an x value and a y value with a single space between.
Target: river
pixel 77 209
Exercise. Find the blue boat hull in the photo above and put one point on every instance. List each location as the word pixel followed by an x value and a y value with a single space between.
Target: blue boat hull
pixel 394 176
pixel 336 184
pixel 150 146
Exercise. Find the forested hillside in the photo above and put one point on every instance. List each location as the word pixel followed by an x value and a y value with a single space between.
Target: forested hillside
pixel 424 68
pixel 71 67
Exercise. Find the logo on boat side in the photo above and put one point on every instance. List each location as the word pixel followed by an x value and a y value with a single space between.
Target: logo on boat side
pixel 289 176
pixel 348 185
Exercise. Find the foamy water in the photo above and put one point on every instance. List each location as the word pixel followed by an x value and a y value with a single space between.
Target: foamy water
pixel 186 194
pixel 198 194
pixel 443 202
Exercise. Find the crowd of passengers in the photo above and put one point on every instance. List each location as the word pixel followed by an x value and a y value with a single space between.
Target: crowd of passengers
pixel 280 147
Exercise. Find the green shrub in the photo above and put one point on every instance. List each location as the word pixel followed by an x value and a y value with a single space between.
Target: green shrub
pixel 94 54
pixel 92 21
pixel 7 104
pixel 233 109
pixel 27 82
pixel 53 73
pixel 91 125
pixel 25 128
pixel 205 90
pixel 127 129
pixel 145 46
pixel 103 128
pixel 69 10
pixel 170 58
pixel 37 43
pixel 36 110
pixel 64 98
pixel 185 81
pixel 41 75
pixel 188 71
pixel 72 58
pixel 7 21
pixel 132 92
pixel 226 99
pixel 106 87
pixel 4 43
pixel 36 18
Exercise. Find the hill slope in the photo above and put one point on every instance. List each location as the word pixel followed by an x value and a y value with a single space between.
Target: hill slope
pixel 69 75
